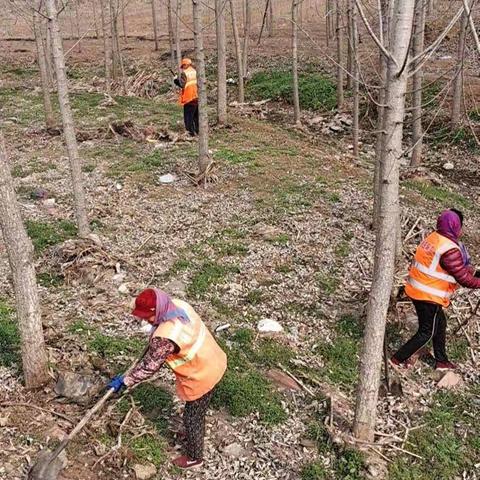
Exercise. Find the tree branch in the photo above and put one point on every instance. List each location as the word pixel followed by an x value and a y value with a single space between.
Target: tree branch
pixel 472 23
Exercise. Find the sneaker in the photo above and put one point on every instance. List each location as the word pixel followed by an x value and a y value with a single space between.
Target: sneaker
pixel 445 366
pixel 186 463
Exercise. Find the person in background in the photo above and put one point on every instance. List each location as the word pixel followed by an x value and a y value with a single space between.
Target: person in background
pixel 441 263
pixel 180 338
pixel 188 95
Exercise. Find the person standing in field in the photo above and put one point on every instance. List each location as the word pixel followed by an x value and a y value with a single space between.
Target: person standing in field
pixel 179 338
pixel 188 95
pixel 441 264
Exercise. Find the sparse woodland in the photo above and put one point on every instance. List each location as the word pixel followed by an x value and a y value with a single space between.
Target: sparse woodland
pixel 331 135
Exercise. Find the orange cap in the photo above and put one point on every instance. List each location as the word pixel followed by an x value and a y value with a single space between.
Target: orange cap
pixel 186 62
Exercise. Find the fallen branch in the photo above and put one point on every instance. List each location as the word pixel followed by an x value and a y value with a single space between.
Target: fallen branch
pixel 296 379
pixel 35 407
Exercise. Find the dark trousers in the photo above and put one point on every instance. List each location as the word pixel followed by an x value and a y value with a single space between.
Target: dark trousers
pixel 190 117
pixel 194 422
pixel 432 325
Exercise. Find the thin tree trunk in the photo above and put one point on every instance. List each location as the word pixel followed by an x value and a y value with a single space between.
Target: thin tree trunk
pixel 115 42
pixel 178 39
pixel 154 21
pixel 372 348
pixel 327 21
pixel 47 103
pixel 20 256
pixel 170 36
pixel 221 62
pixel 339 32
pixel 246 36
pixel 107 46
pixel 203 157
pixel 48 54
pixel 94 12
pixel 77 25
pixel 238 53
pixel 355 81
pixel 67 120
pixel 123 6
pixel 458 83
pixel 296 97
pixel 350 59
pixel 264 21
pixel 270 18
pixel 417 48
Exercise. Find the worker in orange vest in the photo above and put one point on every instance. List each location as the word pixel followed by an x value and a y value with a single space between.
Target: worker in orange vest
pixel 441 263
pixel 188 95
pixel 179 338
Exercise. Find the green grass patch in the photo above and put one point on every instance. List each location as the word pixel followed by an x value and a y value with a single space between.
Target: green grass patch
pixel 149 448
pixel 208 275
pixel 155 403
pixel 315 471
pixel 235 157
pixel 254 297
pixel 112 347
pixel 439 194
pixel 44 234
pixel 226 247
pixel 430 95
pixel 80 327
pixel 316 91
pixel 49 279
pixel 9 337
pixel 327 282
pixel 340 360
pixel 462 137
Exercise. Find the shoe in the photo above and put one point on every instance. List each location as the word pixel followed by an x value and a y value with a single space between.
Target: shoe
pixel 185 463
pixel 445 366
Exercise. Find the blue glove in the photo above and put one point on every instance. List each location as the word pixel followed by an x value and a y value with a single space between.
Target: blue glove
pixel 116 383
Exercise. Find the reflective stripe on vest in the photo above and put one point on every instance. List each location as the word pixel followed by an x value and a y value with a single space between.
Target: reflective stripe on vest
pixel 190 354
pixel 429 290
pixel 189 91
pixel 432 271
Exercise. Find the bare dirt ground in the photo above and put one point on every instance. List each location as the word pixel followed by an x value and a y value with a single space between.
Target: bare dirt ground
pixel 284 234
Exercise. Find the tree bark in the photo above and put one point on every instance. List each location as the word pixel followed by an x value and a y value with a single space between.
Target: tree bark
pixel 238 53
pixel 270 18
pixel 68 123
pixel 246 36
pixel 296 97
pixel 49 55
pixel 355 74
pixel 417 48
pixel 178 39
pixel 339 35
pixel 155 28
pixel 221 62
pixel 47 102
pixel 77 25
pixel 203 156
pixel 384 263
pixel 107 48
pixel 123 6
pixel 350 58
pixel 94 12
pixel 458 83
pixel 20 256
pixel 170 36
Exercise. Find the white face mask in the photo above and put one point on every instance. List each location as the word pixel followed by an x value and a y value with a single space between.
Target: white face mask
pixel 146 328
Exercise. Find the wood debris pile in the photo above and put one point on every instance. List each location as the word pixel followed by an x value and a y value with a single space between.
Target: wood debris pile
pixel 142 84
pixel 139 133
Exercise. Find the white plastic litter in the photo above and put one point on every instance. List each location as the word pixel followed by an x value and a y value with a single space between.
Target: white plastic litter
pixel 268 325
pixel 168 178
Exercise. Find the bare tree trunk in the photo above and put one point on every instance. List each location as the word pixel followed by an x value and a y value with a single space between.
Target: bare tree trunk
pixel 339 32
pixel 178 39
pixel 77 25
pixel 384 264
pixel 107 49
pixel 417 48
pixel 327 21
pixel 94 12
pixel 154 21
pixel 350 59
pixel 48 54
pixel 296 97
pixel 270 18
pixel 458 83
pixel 115 42
pixel 47 103
pixel 123 6
pixel 20 256
pixel 246 36
pixel 238 53
pixel 68 124
pixel 221 62
pixel 170 36
pixel 203 157
pixel 355 73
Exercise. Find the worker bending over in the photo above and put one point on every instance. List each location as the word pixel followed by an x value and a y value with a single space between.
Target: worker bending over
pixel 188 95
pixel 441 263
pixel 179 338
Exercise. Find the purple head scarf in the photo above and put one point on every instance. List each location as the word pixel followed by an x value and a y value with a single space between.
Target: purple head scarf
pixel 449 225
pixel 166 310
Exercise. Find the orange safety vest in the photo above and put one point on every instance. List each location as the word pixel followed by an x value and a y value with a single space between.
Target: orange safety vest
pixel 189 91
pixel 427 280
pixel 200 363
